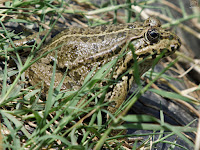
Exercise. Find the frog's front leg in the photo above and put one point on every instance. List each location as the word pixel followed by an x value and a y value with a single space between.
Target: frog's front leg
pixel 118 96
pixel 120 92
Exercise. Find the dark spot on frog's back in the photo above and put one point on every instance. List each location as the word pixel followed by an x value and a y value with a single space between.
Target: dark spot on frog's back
pixel 121 34
pixel 93 28
pixel 98 59
pixel 103 28
pixel 76 76
pixel 101 37
pixel 74 30
pixel 131 26
pixel 85 39
pixel 81 30
pixel 118 27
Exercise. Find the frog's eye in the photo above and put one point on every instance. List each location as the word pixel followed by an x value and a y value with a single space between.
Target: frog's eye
pixel 152 35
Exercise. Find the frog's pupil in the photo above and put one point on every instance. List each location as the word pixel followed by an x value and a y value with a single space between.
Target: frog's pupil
pixel 154 34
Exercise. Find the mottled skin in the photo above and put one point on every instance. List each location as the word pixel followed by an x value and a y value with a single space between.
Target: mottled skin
pixel 80 49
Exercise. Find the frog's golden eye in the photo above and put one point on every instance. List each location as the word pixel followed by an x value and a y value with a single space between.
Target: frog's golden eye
pixel 152 35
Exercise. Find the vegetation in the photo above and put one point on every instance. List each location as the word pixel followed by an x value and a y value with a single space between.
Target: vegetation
pixel 66 119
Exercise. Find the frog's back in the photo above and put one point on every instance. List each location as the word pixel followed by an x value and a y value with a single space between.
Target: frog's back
pixel 76 44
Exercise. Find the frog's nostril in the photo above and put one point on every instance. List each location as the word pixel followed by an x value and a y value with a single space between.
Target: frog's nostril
pixel 178 46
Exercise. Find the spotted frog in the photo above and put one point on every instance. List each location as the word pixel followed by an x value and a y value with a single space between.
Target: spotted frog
pixel 81 49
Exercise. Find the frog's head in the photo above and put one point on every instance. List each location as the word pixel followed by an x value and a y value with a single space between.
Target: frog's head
pixel 155 40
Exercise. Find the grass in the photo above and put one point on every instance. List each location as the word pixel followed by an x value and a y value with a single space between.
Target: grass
pixel 65 120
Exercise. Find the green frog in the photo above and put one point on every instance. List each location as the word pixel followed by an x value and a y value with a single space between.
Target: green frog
pixel 82 49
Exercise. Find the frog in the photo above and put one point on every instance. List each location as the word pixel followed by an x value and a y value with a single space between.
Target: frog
pixel 79 50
